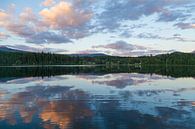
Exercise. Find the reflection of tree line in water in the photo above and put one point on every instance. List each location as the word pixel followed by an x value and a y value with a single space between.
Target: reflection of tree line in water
pixel 173 71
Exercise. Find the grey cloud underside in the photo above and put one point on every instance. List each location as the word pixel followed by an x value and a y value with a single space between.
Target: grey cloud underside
pixel 173 16
pixel 122 10
pixel 122 48
pixel 183 26
pixel 120 45
pixel 176 37
pixel 36 49
pixel 48 37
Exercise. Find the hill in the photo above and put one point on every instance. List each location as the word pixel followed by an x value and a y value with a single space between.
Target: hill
pixel 88 55
pixel 10 57
pixel 7 49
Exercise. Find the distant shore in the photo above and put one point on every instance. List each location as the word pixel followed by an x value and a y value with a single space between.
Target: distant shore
pixel 52 66
pixel 95 65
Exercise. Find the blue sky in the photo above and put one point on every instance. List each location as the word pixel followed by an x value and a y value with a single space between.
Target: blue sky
pixel 115 27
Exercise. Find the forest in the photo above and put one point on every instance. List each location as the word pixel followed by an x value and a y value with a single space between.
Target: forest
pixel 28 58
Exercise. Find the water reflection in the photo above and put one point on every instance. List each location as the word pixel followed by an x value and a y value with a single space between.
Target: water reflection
pixel 109 100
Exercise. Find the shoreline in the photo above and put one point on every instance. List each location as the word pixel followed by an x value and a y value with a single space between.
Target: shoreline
pixel 25 66
pixel 155 65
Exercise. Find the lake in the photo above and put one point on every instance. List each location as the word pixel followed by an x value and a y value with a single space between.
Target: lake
pixel 97 97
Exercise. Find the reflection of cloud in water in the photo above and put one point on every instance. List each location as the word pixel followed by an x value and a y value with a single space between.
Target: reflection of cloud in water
pixel 65 113
pixel 66 107
pixel 71 106
pixel 119 80
pixel 62 113
pixel 122 80
pixel 33 79
pixel 120 83
pixel 35 99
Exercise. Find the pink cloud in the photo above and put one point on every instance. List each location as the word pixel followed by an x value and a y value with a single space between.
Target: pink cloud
pixel 24 24
pixel 3 16
pixel 64 15
pixel 47 2
pixel 3 35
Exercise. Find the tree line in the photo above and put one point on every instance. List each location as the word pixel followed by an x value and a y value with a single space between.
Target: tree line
pixel 28 58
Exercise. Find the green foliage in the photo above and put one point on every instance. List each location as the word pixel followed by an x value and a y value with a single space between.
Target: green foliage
pixel 176 58
pixel 27 58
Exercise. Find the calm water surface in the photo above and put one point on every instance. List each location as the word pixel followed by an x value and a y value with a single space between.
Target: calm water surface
pixel 97 98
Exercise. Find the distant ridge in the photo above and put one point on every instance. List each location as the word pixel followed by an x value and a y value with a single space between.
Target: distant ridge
pixel 8 49
pixel 89 55
pixel 12 57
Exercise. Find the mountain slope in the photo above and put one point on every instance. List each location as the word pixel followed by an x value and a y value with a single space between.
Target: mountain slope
pixel 89 55
pixel 7 49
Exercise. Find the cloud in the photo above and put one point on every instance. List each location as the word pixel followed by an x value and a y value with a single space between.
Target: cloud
pixel 72 18
pixel 93 51
pixel 116 12
pixel 126 34
pixel 67 20
pixel 176 37
pixel 48 37
pixel 21 30
pixel 36 49
pixel 64 15
pixel 24 25
pixel 3 16
pixel 3 35
pixel 29 27
pixel 121 80
pixel 185 25
pixel 27 15
pixel 47 2
pixel 122 48
pixel 168 16
pixel 148 36
pixel 120 45
pixel 89 51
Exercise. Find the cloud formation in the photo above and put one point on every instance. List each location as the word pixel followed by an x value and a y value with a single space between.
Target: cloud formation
pixel 72 19
pixel 120 45
pixel 123 10
pixel 47 2
pixel 36 49
pixel 29 27
pixel 176 37
pixel 122 48
pixel 65 21
pixel 25 25
pixel 64 15
pixel 3 16
pixel 185 25
pixel 48 37
pixel 3 35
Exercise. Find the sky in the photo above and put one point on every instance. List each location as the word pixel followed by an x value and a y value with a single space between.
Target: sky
pixel 114 27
